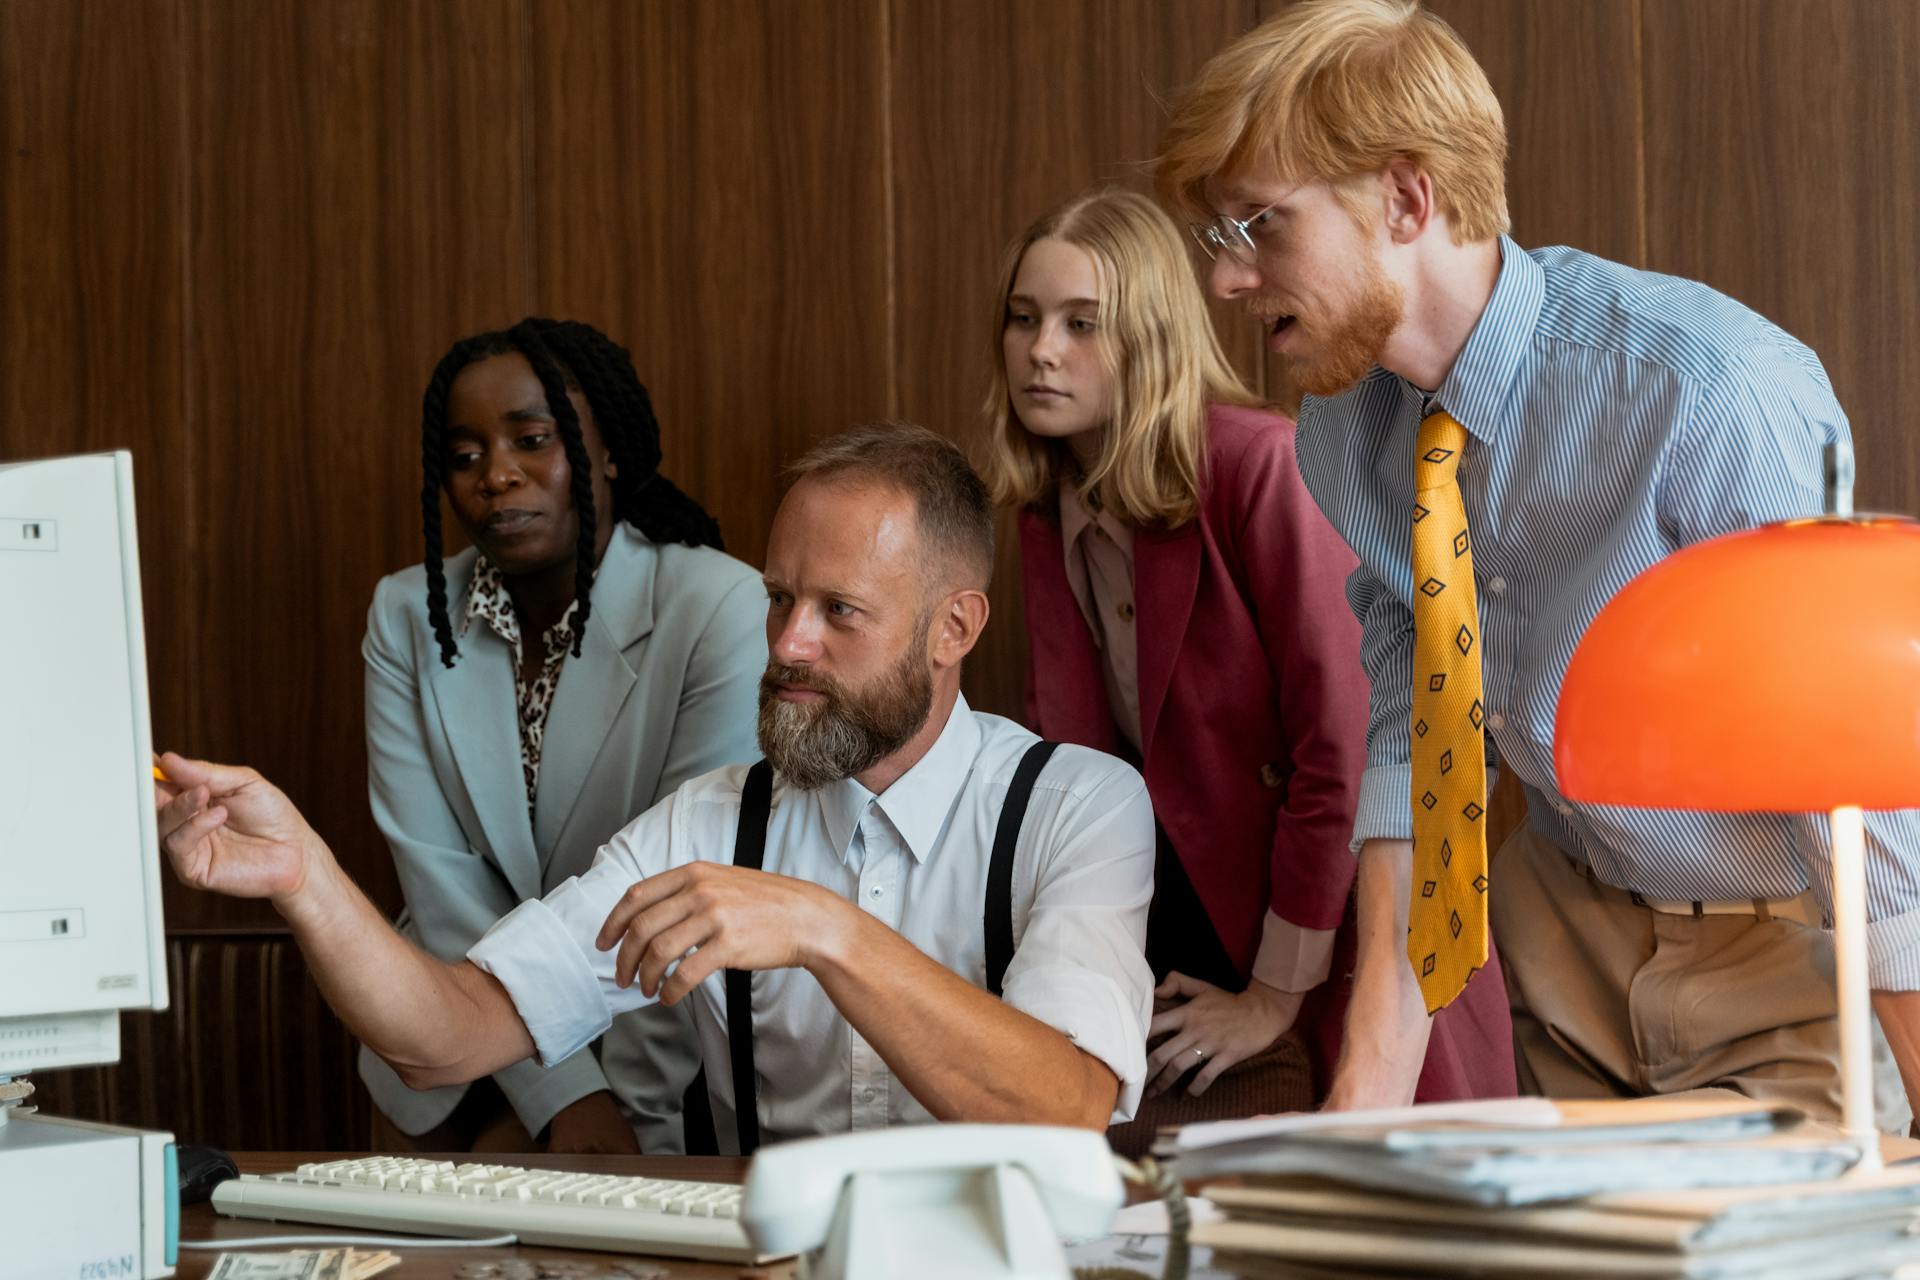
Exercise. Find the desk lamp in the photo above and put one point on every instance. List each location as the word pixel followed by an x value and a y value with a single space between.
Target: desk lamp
pixel 1773 669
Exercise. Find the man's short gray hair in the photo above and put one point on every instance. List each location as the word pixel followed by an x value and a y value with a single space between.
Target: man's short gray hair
pixel 950 499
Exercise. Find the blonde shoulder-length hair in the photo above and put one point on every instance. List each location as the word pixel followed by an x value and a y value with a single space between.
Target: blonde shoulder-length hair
pixel 1164 359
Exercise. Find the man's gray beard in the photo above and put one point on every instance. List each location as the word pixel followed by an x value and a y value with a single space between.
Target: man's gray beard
pixel 814 743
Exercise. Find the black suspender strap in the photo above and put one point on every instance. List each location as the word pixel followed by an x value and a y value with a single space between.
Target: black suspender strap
pixel 749 850
pixel 998 921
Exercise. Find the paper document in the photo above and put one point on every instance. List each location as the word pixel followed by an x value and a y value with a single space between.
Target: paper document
pixel 1589 1148
pixel 1506 1112
pixel 1256 1249
pixel 1722 1218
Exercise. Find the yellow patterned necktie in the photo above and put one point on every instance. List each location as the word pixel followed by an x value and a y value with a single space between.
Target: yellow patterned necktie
pixel 1447 923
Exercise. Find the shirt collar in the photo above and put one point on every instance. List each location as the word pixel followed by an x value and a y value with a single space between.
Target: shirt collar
pixel 1478 387
pixel 920 799
pixel 487 599
pixel 1076 517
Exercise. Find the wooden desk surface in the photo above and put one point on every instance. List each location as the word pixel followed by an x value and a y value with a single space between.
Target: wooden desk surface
pixel 200 1222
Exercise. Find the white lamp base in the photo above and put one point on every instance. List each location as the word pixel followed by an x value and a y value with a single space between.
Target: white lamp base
pixel 1850 979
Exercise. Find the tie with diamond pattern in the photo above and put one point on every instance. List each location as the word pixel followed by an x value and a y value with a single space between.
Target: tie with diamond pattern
pixel 1447 923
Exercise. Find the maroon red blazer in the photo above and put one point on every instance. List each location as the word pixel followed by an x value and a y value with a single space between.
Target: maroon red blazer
pixel 1253 715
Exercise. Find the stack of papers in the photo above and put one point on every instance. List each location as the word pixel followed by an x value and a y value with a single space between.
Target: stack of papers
pixel 1700 1188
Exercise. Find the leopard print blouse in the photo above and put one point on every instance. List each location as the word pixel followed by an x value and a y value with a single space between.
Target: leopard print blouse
pixel 488 601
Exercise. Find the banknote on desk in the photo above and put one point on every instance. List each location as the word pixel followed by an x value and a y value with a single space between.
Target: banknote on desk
pixel 322 1264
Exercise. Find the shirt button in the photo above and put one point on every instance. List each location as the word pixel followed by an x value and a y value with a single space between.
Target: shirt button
pixel 1498 586
pixel 1125 610
pixel 1566 810
pixel 875 892
pixel 1496 721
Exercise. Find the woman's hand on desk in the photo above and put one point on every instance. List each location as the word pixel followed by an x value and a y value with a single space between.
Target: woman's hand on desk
pixel 593 1125
pixel 1212 1029
pixel 231 831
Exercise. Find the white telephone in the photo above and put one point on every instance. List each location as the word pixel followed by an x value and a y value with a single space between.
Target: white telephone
pixel 933 1201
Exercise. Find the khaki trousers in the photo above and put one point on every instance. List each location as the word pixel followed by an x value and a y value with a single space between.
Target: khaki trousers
pixel 1611 999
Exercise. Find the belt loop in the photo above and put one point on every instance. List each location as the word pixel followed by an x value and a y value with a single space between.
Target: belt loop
pixel 1761 910
pixel 1699 912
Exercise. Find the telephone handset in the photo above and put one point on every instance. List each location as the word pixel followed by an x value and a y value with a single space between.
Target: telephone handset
pixel 933 1201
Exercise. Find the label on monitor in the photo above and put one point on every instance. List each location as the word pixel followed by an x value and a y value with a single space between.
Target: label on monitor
pixel 28 534
pixel 42 926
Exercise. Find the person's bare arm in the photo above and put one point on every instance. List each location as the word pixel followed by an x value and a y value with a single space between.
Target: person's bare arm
pixel 963 1053
pixel 1899 1014
pixel 1387 1023
pixel 230 831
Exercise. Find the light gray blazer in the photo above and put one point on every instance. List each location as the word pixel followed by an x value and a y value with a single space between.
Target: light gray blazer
pixel 665 689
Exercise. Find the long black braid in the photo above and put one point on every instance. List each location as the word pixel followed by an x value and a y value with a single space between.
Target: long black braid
pixel 565 355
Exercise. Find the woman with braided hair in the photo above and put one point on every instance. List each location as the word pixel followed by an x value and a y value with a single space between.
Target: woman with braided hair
pixel 529 696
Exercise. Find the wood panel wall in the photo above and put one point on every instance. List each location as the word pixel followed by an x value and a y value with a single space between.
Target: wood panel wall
pixel 236 234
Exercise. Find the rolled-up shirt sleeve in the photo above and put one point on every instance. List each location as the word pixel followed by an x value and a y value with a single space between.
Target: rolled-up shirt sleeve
pixel 1080 964
pixel 1291 958
pixel 543 950
pixel 1385 808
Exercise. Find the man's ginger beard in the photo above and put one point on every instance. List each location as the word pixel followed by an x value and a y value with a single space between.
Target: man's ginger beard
pixel 1348 346
pixel 846 732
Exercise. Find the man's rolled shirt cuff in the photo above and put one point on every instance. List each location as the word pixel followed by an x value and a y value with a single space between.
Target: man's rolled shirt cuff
pixel 1094 1013
pixel 538 1093
pixel 1385 811
pixel 535 952
pixel 1893 953
pixel 1292 957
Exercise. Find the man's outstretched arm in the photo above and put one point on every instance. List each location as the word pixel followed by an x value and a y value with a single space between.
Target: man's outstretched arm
pixel 230 831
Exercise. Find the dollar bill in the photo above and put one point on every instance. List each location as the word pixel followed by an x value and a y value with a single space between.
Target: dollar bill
pixel 266 1266
pixel 364 1266
pixel 354 1264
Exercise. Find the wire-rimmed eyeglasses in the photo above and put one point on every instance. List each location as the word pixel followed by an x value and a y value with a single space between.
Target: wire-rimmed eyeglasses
pixel 1234 235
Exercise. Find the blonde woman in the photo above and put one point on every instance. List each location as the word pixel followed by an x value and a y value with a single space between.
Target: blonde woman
pixel 1185 608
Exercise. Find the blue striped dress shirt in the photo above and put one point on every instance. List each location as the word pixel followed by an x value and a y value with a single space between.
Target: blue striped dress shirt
pixel 1613 416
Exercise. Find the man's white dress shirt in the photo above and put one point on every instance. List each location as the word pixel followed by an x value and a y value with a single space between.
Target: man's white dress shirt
pixel 916 858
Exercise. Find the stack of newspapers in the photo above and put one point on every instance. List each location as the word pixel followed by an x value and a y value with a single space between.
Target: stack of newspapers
pixel 1700 1187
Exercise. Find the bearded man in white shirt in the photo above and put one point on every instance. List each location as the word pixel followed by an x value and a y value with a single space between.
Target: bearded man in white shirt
pixel 864 933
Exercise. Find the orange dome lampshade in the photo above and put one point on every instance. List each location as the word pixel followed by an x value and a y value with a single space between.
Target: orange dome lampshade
pixel 1772 669
pixel 1776 669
